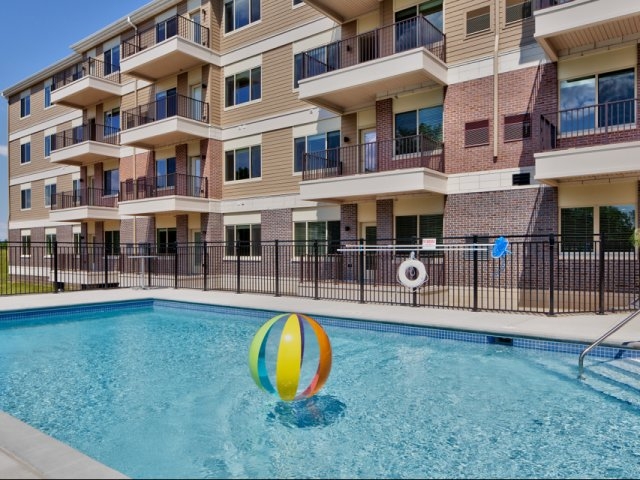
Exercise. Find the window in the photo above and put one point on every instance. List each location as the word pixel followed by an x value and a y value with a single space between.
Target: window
pixel 49 194
pixel 111 182
pixel 601 100
pixel 479 20
pixel 166 172
pixel 517 127
pixel 243 240
pixel 112 242
pixel 25 152
pixel 239 13
pixel 316 62
pixel 25 243
pixel 476 133
pixel 616 223
pixel 411 228
pixel 25 105
pixel 412 33
pixel 320 142
pixel 112 60
pixel 112 122
pixel 166 29
pixel 49 144
pixel 50 241
pixel 243 163
pixel 298 2
pixel 243 87
pixel 517 10
pixel 25 198
pixel 77 242
pixel 426 122
pixel 47 93
pixel 166 104
pixel 166 239
pixel 326 233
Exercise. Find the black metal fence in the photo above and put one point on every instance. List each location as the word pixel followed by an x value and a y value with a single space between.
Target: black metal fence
pixel 537 274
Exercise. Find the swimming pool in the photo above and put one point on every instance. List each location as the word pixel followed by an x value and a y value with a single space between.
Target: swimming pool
pixel 162 389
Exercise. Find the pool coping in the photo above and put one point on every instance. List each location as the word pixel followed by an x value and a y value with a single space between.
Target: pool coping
pixel 25 452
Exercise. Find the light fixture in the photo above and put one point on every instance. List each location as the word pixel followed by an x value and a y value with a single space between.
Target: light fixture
pixel 346 139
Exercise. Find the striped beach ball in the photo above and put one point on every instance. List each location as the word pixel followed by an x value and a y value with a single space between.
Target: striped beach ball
pixel 290 356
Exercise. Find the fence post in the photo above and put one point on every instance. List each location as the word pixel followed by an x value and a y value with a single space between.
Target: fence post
pixel 175 265
pixel 552 275
pixel 316 270
pixel 148 260
pixel 601 275
pixel 106 266
pixel 361 269
pixel 475 273
pixel 237 266
pixel 204 265
pixel 55 266
pixel 277 269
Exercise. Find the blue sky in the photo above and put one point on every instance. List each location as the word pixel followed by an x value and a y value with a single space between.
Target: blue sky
pixel 52 28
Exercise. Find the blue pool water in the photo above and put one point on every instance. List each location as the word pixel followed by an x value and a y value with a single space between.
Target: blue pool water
pixel 163 390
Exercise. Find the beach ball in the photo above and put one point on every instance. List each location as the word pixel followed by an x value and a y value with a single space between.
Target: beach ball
pixel 290 356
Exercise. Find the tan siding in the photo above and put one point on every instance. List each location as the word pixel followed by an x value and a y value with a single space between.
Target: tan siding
pixel 277 169
pixel 38 113
pixel 515 34
pixel 277 16
pixel 38 210
pixel 277 89
pixel 461 47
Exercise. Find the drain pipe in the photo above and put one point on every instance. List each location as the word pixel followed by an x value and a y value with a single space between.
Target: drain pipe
pixel 496 66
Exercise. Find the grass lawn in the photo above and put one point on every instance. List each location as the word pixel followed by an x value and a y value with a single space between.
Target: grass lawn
pixel 8 287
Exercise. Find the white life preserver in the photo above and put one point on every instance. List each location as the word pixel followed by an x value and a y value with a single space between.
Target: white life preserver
pixel 410 264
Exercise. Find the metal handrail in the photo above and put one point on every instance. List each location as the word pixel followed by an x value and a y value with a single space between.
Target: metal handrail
pixel 584 353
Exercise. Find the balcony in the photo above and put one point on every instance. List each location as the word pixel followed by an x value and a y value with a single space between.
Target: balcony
pixel 168 121
pixel 85 204
pixel 174 45
pixel 399 166
pixel 565 27
pixel 589 143
pixel 85 145
pixel 341 11
pixel 349 74
pixel 175 193
pixel 86 83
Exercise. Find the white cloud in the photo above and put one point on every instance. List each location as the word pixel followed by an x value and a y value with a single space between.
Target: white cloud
pixel 4 150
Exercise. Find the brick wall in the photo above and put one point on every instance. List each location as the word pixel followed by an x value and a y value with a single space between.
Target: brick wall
pixel 384 219
pixel 349 219
pixel 211 151
pixel 213 227
pixel 277 225
pixel 527 211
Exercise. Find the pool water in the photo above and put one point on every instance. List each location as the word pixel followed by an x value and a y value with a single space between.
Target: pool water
pixel 165 392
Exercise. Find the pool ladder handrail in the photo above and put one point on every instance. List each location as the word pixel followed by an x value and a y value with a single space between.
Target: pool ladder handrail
pixel 617 327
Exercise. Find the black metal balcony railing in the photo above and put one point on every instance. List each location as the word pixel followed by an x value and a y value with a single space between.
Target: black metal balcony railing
pixel 86 133
pixel 175 26
pixel 85 197
pixel 379 43
pixel 163 186
pixel 395 154
pixel 611 122
pixel 91 67
pixel 170 106
pixel 542 4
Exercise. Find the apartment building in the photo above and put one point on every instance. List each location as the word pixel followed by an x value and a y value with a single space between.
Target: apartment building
pixel 226 120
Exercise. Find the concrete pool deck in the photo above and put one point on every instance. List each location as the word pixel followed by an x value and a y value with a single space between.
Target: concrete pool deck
pixel 27 453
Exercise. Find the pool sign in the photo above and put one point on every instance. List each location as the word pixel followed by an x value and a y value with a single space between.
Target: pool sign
pixel 428 243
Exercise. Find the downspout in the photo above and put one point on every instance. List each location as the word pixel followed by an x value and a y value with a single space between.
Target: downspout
pixel 135 103
pixel 496 65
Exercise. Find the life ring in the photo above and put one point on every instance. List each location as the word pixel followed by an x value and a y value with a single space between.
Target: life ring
pixel 405 267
